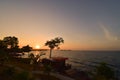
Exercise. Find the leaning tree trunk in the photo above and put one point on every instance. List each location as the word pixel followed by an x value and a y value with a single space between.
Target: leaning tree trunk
pixel 50 53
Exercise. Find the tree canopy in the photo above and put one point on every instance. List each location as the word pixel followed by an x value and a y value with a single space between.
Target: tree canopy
pixel 10 42
pixel 26 48
pixel 54 43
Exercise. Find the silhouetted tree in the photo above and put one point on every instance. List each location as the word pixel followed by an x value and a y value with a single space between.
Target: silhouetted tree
pixel 10 42
pixel 54 43
pixel 2 45
pixel 3 48
pixel 16 49
pixel 3 52
pixel 26 48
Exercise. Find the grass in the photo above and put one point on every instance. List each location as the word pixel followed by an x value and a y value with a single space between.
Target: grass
pixel 23 64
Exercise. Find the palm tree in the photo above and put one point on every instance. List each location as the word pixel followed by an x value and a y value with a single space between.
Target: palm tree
pixel 54 43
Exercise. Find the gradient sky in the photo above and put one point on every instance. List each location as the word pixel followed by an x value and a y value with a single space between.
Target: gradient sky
pixel 83 24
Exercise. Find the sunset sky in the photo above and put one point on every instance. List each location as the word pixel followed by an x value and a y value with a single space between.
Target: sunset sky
pixel 83 24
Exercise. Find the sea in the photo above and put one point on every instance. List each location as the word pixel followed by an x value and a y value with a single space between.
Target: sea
pixel 85 60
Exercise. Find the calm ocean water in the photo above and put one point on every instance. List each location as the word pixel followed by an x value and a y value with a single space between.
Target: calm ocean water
pixel 86 59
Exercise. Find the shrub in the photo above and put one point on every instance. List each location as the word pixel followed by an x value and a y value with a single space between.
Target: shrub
pixel 104 72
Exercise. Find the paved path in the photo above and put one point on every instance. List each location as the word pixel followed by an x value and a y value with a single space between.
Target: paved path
pixel 57 75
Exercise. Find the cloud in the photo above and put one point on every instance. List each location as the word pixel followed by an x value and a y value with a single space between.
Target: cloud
pixel 108 34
